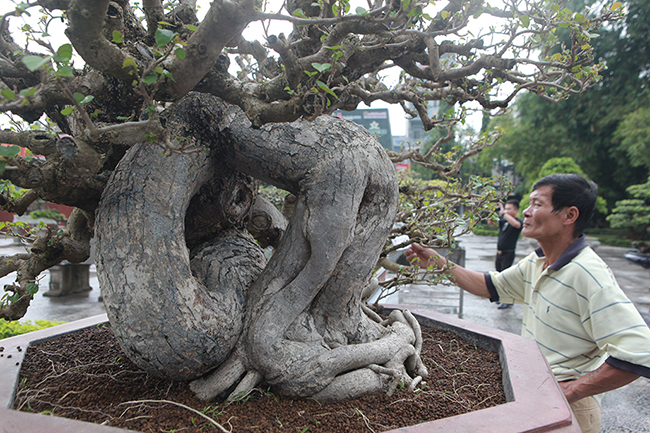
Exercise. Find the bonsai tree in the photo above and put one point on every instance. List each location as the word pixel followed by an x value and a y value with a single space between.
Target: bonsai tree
pixel 634 214
pixel 141 123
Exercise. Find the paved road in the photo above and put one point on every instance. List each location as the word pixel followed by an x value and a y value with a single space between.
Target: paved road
pixel 624 410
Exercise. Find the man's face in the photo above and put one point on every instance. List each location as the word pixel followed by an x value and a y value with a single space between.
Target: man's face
pixel 539 219
pixel 511 209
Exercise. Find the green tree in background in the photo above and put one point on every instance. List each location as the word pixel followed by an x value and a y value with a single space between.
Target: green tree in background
pixel 633 135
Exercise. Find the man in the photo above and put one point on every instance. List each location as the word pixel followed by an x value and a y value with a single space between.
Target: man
pixel 591 334
pixel 509 229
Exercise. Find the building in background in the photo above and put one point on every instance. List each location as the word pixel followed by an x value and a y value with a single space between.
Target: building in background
pixel 400 142
pixel 414 129
pixel 375 120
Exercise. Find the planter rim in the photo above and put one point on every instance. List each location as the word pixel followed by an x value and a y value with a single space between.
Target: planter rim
pixel 535 401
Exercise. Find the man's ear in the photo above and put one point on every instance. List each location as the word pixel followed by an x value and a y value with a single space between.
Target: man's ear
pixel 571 214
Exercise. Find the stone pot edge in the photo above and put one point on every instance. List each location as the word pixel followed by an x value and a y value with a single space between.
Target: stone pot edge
pixel 533 395
pixel 22 422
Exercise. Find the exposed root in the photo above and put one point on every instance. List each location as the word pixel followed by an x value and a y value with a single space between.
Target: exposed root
pixel 416 381
pixel 397 377
pixel 369 289
pixel 370 313
pixel 246 385
pixel 227 374
pixel 414 364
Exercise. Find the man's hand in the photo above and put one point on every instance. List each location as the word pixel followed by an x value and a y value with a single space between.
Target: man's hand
pixel 471 281
pixel 419 255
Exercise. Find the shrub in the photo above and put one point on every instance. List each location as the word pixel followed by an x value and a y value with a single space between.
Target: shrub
pixel 10 329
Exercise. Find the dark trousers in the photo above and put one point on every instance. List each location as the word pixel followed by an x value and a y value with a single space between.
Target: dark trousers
pixel 505 259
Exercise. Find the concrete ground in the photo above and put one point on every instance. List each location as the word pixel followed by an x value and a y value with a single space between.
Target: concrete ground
pixel 624 410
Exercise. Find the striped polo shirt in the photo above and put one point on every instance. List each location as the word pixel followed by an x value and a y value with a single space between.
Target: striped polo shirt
pixel 576 312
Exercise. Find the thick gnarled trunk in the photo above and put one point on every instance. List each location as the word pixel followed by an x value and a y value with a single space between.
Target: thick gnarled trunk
pixel 299 323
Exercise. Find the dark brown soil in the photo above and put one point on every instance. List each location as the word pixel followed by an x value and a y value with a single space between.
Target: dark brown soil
pixel 86 376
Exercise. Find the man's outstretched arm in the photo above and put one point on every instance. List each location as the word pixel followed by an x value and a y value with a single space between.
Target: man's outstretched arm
pixel 470 281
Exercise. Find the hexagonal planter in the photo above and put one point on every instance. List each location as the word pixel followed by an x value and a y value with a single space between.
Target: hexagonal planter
pixel 534 400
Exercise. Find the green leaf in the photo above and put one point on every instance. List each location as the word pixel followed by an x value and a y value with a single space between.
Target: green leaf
pixel 67 110
pixel 8 94
pixel 32 288
pixel 165 23
pixel 310 74
pixel 325 88
pixel 414 12
pixel 525 20
pixel 78 97
pixel 150 78
pixel 321 67
pixel 117 37
pixel 9 151
pixel 299 13
pixel 163 37
pixel 192 28
pixel 34 62
pixel 616 6
pixel 180 53
pixel 128 62
pixel 28 92
pixel 65 71
pixel 335 9
pixel 87 99
pixel 168 74
pixel 444 14
pixel 361 11
pixel 64 52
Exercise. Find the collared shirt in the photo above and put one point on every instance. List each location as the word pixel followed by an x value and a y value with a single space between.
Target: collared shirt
pixel 576 312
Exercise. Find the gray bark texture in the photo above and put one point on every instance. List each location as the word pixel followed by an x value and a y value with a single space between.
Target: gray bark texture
pixel 297 322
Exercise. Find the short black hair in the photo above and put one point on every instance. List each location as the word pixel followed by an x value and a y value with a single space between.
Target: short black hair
pixel 572 190
pixel 514 202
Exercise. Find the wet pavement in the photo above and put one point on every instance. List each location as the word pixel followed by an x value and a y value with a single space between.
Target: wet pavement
pixel 624 410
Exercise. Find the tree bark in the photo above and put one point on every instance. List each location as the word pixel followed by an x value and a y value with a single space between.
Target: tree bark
pixel 299 324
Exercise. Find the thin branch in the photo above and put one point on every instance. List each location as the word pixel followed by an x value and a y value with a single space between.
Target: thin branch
pixel 196 412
